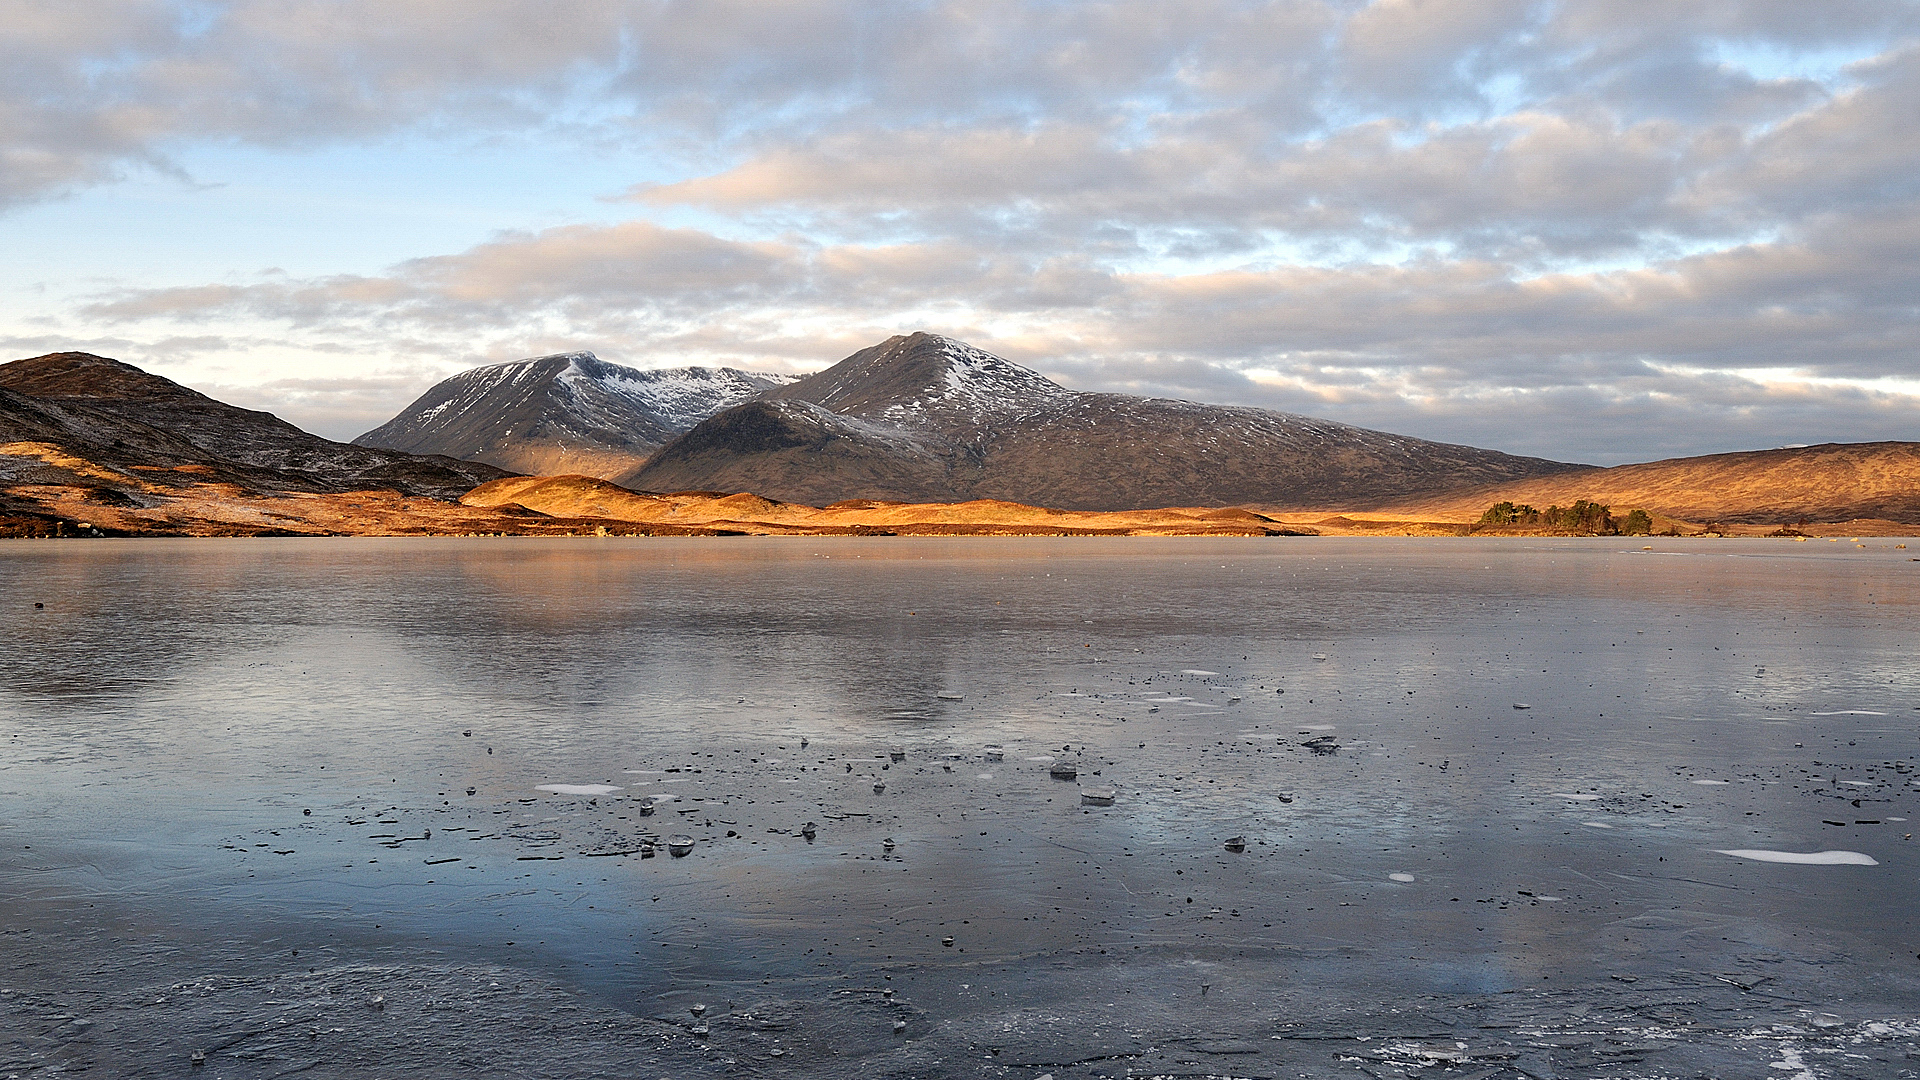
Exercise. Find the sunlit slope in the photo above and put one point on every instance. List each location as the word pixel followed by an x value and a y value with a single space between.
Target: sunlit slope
pixel 1829 482
pixel 578 497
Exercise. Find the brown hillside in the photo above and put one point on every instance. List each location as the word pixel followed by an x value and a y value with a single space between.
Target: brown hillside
pixel 1830 482
pixel 583 497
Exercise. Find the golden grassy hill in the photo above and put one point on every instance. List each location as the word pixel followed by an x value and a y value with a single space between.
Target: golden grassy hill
pixel 577 497
pixel 1831 482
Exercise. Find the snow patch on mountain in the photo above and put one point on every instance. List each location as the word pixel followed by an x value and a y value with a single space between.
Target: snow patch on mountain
pixel 980 388
pixel 565 411
pixel 677 397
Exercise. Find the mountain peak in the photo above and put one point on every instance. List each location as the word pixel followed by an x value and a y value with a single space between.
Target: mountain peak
pixel 564 412
pixel 84 375
pixel 909 377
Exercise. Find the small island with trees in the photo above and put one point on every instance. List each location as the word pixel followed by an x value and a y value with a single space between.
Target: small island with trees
pixel 1583 518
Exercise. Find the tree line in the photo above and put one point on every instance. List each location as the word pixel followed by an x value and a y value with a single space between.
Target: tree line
pixel 1589 518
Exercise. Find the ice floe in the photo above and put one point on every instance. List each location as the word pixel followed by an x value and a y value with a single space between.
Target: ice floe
pixel 1399 877
pixel 578 789
pixel 1574 795
pixel 1810 858
pixel 1849 712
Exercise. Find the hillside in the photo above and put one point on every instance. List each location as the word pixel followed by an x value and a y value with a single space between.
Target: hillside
pixel 1830 482
pixel 620 509
pixel 83 437
pixel 117 415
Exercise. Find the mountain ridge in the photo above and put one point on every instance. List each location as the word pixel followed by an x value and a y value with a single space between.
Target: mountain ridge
pixel 926 418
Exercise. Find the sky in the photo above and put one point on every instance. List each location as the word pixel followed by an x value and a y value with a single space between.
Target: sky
pixel 1601 231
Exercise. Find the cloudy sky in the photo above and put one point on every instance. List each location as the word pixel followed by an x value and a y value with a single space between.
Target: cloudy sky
pixel 1601 231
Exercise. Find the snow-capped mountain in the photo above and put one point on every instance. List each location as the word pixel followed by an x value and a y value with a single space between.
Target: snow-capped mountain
pixel 566 413
pixel 928 418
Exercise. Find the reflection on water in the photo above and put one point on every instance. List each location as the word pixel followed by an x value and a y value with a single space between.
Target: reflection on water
pixel 420 736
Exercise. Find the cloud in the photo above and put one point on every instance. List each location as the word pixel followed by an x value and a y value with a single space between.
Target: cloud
pixel 1585 229
pixel 1422 345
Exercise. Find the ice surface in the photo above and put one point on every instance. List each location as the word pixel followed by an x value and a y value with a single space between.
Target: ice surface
pixel 1710 783
pixel 1810 858
pixel 1849 712
pixel 1197 671
pixel 577 789
pixel 619 680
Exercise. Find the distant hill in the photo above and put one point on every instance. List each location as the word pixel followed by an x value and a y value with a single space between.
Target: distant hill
pixel 924 418
pixel 566 413
pixel 1829 482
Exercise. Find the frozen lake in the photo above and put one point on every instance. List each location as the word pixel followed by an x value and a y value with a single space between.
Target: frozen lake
pixel 1508 807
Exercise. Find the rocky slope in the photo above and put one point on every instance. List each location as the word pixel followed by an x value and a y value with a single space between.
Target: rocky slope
pixel 566 413
pixel 925 418
pixel 84 435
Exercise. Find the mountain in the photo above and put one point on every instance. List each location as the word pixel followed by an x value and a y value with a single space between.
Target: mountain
pixel 566 413
pixel 89 438
pixel 924 418
pixel 1831 482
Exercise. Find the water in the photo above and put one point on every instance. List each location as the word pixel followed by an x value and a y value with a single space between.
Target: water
pixel 243 767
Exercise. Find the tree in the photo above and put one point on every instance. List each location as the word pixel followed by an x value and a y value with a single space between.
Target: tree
pixel 1638 523
pixel 1506 513
pixel 1585 517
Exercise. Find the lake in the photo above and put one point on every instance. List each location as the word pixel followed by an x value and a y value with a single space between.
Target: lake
pixel 348 804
